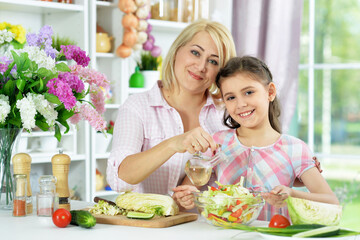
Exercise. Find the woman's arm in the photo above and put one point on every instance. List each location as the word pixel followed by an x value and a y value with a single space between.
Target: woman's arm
pixel 137 167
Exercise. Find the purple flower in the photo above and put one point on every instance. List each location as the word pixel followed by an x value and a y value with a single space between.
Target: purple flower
pixel 72 80
pixel 42 40
pixel 75 53
pixel 62 91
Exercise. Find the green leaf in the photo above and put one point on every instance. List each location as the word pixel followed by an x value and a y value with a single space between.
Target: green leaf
pixel 9 88
pixel 57 132
pixel 62 67
pixel 15 122
pixel 20 83
pixel 10 67
pixel 41 85
pixel 42 125
pixel 52 98
pixel 43 72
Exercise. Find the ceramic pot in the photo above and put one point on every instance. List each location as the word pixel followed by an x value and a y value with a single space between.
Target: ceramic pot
pixel 150 77
pixel 103 42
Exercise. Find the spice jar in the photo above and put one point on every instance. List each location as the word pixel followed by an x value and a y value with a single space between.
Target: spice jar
pixel 46 199
pixel 19 202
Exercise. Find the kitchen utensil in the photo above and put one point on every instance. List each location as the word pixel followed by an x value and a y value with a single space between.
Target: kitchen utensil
pixel 60 167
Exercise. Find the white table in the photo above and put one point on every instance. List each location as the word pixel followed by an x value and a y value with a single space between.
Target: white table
pixel 33 227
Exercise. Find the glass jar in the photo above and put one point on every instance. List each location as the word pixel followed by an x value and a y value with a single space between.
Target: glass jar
pixel 20 194
pixel 46 199
pixel 199 167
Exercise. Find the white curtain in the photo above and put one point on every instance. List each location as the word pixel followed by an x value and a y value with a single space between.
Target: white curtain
pixel 270 30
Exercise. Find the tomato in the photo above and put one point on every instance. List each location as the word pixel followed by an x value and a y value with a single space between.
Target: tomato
pixel 61 217
pixel 237 213
pixel 214 189
pixel 279 221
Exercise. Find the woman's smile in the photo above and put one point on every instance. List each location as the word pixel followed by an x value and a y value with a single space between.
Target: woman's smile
pixel 195 76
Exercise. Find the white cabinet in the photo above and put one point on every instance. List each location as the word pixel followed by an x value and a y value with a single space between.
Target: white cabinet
pixel 67 20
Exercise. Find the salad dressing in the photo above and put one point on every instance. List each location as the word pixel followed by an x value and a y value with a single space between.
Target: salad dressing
pixel 199 168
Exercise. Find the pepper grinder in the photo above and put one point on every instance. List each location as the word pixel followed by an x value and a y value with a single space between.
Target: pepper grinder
pixel 22 165
pixel 60 167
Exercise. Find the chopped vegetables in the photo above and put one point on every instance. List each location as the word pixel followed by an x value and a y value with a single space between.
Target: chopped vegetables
pixel 105 208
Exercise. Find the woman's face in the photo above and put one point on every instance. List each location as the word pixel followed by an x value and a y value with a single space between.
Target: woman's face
pixel 197 63
pixel 247 100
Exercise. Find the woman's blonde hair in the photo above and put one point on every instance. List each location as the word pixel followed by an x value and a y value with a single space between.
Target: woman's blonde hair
pixel 220 35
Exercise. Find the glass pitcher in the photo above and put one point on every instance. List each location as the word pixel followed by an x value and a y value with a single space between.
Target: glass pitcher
pixel 199 167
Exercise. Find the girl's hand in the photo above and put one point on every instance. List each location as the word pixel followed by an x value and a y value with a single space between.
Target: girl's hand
pixel 277 196
pixel 195 140
pixel 183 197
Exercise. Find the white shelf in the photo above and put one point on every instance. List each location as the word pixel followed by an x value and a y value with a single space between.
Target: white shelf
pixel 39 158
pixel 102 156
pixel 101 4
pixel 137 90
pixel 105 55
pixel 160 25
pixel 38 6
pixel 105 193
pixel 42 134
pixel 112 106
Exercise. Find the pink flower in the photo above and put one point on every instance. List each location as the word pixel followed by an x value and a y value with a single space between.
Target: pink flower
pixel 93 117
pixel 63 91
pixel 90 76
pixel 97 99
pixel 75 53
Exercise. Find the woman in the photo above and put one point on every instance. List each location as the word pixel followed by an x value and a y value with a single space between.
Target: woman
pixel 157 131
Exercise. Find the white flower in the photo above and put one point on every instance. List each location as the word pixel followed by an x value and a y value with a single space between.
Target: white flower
pixel 44 107
pixel 27 112
pixel 4 107
pixel 39 56
pixel 6 36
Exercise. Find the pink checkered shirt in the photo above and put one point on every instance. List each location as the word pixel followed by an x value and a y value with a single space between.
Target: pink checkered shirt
pixel 263 167
pixel 145 120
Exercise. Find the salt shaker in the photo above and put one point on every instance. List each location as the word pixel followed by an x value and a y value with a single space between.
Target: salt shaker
pixel 19 201
pixel 46 199
pixel 60 167
pixel 22 165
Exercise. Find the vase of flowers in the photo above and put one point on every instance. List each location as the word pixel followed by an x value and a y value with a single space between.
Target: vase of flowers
pixel 38 91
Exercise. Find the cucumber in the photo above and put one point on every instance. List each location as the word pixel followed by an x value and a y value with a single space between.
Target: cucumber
pixel 140 215
pixel 82 218
pixel 319 232
pixel 305 226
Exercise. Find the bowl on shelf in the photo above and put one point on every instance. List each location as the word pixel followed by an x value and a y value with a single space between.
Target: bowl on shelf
pixel 221 210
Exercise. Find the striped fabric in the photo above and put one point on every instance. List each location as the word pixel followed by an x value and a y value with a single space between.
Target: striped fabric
pixel 145 120
pixel 263 167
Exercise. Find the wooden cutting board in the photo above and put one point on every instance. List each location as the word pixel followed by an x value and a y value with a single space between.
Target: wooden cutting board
pixel 156 222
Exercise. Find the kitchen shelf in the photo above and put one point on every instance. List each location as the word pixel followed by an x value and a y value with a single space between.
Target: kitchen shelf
pixel 161 25
pixel 42 134
pixel 137 90
pixel 105 55
pixel 101 4
pixel 38 158
pixel 39 6
pixel 102 156
pixel 112 106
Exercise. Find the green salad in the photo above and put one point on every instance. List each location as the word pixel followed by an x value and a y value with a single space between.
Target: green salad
pixel 232 203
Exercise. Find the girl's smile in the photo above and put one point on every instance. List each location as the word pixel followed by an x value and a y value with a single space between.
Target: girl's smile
pixel 247 100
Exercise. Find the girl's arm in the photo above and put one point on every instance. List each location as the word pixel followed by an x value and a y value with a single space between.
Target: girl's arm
pixel 314 182
pixel 320 190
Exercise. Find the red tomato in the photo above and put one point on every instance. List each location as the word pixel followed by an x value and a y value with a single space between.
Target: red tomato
pixel 279 221
pixel 237 213
pixel 61 217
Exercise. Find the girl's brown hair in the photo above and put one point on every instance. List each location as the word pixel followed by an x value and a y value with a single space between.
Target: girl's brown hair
pixel 259 71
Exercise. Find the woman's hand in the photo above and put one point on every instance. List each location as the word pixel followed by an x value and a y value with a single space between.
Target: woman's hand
pixel 195 140
pixel 277 196
pixel 183 197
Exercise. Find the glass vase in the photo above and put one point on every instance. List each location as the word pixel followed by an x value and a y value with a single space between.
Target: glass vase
pixel 8 138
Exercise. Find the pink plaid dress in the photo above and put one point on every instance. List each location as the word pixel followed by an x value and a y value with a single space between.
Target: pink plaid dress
pixel 263 167
pixel 145 120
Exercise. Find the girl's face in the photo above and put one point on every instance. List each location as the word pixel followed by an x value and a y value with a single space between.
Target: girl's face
pixel 197 63
pixel 247 100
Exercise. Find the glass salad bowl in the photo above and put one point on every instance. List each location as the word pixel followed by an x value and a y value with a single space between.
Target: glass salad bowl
pixel 220 208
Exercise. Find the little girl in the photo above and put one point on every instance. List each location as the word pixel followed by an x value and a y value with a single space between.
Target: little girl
pixel 256 149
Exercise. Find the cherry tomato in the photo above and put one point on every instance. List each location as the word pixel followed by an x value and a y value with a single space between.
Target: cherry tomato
pixel 279 221
pixel 61 217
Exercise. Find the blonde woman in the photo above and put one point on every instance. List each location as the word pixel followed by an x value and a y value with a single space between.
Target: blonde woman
pixel 157 131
